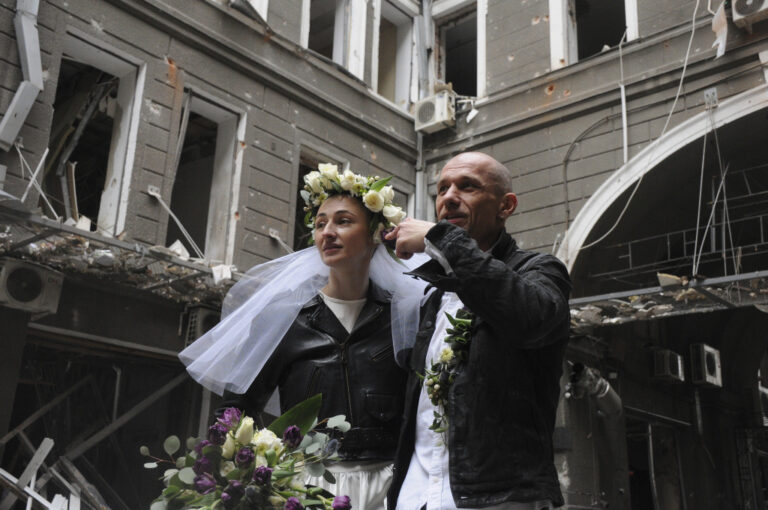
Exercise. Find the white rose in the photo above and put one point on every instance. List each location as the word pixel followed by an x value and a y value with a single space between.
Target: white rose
pixel 329 171
pixel 347 180
pixel 393 214
pixel 226 467
pixel 373 201
pixel 388 193
pixel 266 440
pixel 244 432
pixel 360 184
pixel 260 461
pixel 228 450
pixel 314 181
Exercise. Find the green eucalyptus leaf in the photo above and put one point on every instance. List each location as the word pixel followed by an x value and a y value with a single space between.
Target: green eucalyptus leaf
pixel 150 465
pixel 181 462
pixel 158 505
pixel 191 443
pixel 171 445
pixel 302 415
pixel 315 469
pixel 187 475
pixel 344 427
pixel 312 448
pixel 335 420
pixel 328 476
pixel 305 441
pixel 189 461
pixel 144 451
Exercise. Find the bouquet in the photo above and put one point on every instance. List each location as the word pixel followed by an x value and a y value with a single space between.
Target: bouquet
pixel 238 467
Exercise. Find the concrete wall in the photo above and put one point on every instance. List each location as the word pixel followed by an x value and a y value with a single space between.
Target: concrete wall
pixel 576 112
pixel 290 100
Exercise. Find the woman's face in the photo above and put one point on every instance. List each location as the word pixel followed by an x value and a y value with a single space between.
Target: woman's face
pixel 341 232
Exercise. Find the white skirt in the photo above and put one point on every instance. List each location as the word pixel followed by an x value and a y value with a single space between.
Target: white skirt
pixel 366 483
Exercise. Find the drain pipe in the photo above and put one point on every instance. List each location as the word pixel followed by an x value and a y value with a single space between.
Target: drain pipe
pixel 28 42
pixel 423 47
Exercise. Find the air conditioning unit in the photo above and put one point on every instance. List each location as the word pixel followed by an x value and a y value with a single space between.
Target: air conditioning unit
pixel 436 112
pixel 705 366
pixel 29 287
pixel 668 366
pixel 748 12
pixel 200 320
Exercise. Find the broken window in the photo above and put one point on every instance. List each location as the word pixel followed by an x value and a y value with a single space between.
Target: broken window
pixel 394 55
pixel 458 53
pixel 326 18
pixel 202 197
pixel 90 140
pixel 600 25
pixel 582 28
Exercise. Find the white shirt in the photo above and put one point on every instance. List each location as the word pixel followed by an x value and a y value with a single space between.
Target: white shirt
pixel 428 481
pixel 347 311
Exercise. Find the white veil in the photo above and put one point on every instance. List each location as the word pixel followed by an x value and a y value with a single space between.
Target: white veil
pixel 260 308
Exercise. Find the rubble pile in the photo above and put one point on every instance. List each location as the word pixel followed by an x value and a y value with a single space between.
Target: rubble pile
pixel 684 298
pixel 145 268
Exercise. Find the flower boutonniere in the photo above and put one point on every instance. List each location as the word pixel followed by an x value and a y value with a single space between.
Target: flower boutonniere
pixel 440 376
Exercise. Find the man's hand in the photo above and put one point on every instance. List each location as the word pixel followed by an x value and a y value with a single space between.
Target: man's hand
pixel 410 237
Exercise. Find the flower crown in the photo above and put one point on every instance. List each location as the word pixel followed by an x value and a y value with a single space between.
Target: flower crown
pixel 374 192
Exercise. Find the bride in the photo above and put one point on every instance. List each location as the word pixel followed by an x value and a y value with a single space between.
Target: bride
pixel 332 319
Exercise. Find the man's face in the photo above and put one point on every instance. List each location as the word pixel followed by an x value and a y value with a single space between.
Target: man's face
pixel 468 196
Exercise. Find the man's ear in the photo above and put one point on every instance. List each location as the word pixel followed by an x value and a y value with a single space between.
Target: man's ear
pixel 507 206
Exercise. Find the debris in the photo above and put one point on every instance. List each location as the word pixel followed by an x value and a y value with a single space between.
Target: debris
pixel 669 280
pixel 179 249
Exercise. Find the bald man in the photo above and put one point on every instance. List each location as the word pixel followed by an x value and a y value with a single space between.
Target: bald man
pixel 493 448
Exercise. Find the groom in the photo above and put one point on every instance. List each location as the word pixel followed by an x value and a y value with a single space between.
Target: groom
pixel 497 449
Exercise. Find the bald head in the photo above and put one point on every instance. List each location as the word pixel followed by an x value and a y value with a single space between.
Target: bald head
pixel 474 192
pixel 487 165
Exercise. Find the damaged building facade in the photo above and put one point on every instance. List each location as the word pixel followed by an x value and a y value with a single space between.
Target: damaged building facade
pixel 132 126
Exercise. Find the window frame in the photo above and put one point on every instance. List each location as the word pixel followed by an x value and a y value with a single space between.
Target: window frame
pixel 406 70
pixel 563 42
pixel 444 11
pixel 131 73
pixel 223 198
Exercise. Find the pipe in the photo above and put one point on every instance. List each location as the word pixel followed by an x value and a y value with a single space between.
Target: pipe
pixel 652 469
pixel 28 41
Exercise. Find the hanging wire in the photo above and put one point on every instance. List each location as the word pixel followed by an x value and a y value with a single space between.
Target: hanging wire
pixel 698 209
pixel 664 130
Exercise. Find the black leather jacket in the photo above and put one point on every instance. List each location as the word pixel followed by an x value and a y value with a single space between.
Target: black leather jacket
pixel 355 372
pixel 502 405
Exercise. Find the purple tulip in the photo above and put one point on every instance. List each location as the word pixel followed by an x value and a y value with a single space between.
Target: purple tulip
pixel 244 457
pixel 342 503
pixel 217 434
pixel 203 465
pixel 292 436
pixel 233 493
pixel 230 417
pixel 199 446
pixel 262 475
pixel 293 504
pixel 204 483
